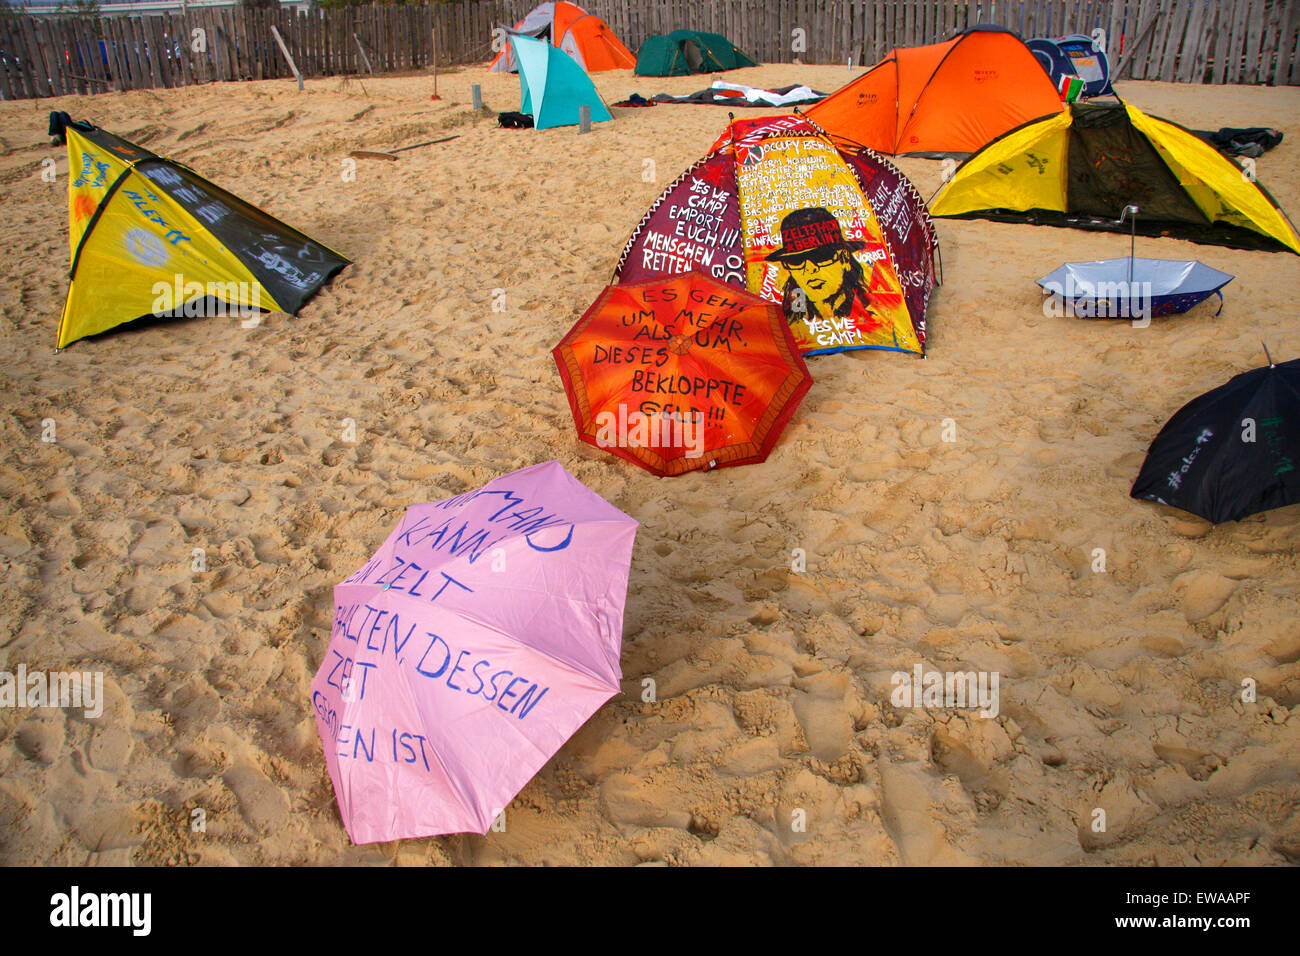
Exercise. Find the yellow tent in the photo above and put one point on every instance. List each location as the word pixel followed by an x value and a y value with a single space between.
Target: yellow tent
pixel 149 236
pixel 1081 168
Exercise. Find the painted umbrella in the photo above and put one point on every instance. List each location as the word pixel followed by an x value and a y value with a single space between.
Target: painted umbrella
pixel 1134 288
pixel 1233 451
pixel 682 374
pixel 483 633
pixel 1129 288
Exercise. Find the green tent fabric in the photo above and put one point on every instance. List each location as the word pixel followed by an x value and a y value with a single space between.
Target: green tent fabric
pixel 683 52
pixel 552 85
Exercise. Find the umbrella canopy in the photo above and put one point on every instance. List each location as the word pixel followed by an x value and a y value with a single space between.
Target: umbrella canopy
pixel 483 633
pixel 1124 288
pixel 831 231
pixel 682 374
pixel 1233 451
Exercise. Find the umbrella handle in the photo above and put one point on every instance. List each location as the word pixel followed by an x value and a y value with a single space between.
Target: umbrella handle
pixel 1219 293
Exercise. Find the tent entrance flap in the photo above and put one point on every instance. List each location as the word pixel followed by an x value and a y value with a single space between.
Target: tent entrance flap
pixel 1110 162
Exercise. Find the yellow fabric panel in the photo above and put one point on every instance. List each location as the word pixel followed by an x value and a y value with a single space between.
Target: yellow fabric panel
pixel 91 171
pixel 1214 183
pixel 143 249
pixel 1026 169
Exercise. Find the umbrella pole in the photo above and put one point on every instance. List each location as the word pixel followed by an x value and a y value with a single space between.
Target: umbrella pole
pixel 1131 212
pixel 1266 355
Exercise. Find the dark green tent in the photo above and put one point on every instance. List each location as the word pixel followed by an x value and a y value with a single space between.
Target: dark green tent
pixel 688 51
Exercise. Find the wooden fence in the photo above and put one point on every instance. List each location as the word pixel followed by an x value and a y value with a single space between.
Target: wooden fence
pixel 1191 41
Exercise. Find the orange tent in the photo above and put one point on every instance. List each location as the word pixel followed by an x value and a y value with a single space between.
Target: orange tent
pixel 950 97
pixel 585 37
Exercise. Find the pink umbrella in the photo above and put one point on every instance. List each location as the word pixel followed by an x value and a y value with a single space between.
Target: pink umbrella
pixel 483 633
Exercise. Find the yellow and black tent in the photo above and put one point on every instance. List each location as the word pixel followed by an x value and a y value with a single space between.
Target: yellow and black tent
pixel 1081 168
pixel 149 236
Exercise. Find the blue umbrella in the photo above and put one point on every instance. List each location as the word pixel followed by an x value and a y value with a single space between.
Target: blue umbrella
pixel 1131 287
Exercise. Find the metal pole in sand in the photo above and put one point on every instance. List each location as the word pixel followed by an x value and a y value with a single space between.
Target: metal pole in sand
pixel 584 119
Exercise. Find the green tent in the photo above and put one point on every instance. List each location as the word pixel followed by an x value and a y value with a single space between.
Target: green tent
pixel 688 51
pixel 553 85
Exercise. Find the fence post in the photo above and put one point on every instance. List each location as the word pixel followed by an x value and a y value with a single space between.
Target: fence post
pixel 285 50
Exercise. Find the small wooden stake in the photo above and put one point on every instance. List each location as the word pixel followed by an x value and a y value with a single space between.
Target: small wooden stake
pixel 584 119
pixel 476 92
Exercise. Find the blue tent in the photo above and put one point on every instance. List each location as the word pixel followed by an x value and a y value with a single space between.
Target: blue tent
pixel 552 85
pixel 1074 56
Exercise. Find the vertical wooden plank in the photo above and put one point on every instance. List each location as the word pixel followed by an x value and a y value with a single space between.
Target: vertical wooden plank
pixel 116 55
pixel 229 47
pixel 216 44
pixel 157 51
pixel 103 52
pixel 51 61
pixel 1209 30
pixel 17 80
pixel 31 53
pixel 305 38
pixel 1165 48
pixel 1114 30
pixel 224 29
pixel 1143 36
pixel 1226 53
pixel 1293 76
pixel 67 40
pixel 87 61
pixel 1191 42
pixel 198 61
pixel 22 79
pixel 1254 39
pixel 43 61
pixel 1281 68
pixel 8 90
pixel 130 61
pixel 125 44
pixel 1260 64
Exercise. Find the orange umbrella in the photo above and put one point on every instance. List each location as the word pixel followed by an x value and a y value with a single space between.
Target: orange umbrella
pixel 682 374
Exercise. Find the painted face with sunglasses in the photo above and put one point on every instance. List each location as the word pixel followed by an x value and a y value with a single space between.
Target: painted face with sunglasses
pixel 821 264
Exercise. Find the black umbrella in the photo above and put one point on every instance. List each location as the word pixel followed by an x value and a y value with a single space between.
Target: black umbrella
pixel 1232 452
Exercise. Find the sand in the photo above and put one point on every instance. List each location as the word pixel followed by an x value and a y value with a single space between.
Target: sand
pixel 1119 690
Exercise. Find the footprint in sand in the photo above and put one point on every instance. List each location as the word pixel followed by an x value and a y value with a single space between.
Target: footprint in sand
pixel 262 804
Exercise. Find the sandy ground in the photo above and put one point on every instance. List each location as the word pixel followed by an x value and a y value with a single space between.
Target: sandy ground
pixel 1119 690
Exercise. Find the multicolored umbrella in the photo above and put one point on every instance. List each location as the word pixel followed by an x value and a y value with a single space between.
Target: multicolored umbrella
pixel 831 231
pixel 682 374
pixel 483 633
pixel 1233 451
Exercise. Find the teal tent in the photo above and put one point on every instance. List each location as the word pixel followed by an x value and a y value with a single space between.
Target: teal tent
pixel 553 85
pixel 688 51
